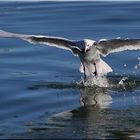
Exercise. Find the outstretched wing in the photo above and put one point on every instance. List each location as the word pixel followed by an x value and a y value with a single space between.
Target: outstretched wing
pixel 106 47
pixel 47 40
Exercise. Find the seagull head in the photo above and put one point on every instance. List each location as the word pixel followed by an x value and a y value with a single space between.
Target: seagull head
pixel 88 44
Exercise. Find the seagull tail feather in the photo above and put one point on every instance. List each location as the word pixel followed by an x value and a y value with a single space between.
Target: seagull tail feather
pixel 103 68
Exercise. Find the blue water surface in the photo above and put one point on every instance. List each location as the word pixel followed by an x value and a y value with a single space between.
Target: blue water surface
pixel 38 94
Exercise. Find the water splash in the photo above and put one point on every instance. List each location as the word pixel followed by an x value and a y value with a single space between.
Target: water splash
pixel 125 83
pixel 122 81
pixel 118 83
pixel 91 81
pixel 137 66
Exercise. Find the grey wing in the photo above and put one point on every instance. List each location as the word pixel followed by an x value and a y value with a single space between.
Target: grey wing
pixel 47 40
pixel 106 47
pixel 52 41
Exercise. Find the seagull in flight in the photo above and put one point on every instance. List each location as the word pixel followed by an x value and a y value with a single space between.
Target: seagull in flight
pixel 89 51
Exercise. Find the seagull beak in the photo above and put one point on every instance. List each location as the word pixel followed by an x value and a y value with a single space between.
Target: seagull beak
pixel 86 49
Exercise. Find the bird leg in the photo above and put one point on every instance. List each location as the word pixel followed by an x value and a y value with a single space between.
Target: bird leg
pixel 95 73
pixel 84 73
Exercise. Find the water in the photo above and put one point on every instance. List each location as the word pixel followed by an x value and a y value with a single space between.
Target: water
pixel 39 97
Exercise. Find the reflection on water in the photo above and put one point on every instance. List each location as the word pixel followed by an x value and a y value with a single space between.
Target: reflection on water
pixel 94 117
pixel 103 97
pixel 93 122
pixel 95 97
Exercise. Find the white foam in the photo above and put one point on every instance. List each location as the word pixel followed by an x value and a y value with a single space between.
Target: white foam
pixel 90 81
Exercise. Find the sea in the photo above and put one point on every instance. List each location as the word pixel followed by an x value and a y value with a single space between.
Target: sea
pixel 39 94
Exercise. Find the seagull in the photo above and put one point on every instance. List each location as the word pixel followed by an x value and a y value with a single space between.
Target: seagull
pixel 89 51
